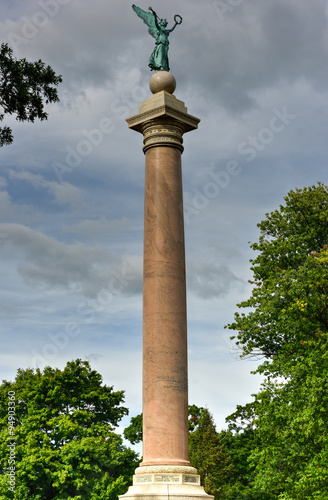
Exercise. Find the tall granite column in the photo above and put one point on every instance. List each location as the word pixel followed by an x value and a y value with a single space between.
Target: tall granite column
pixel 165 385
pixel 165 470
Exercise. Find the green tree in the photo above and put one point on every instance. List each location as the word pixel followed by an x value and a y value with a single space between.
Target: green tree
pixel 208 455
pixel 24 87
pixel 65 446
pixel 240 485
pixel 133 432
pixel 288 325
pixel 194 414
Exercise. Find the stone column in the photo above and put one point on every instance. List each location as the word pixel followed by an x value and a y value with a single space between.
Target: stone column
pixel 165 470
pixel 165 385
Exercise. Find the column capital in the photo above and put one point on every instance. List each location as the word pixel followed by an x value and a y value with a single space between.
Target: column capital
pixel 163 119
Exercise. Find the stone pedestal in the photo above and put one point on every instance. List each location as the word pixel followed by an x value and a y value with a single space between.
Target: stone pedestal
pixel 166 481
pixel 165 470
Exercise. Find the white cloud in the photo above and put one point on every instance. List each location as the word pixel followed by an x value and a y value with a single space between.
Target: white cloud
pixel 46 261
pixel 10 211
pixel 103 225
pixel 91 271
pixel 3 182
pixel 64 193
pixel 208 279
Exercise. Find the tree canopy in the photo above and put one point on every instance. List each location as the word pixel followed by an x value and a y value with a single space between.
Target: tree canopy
pixel 287 324
pixel 24 88
pixel 289 295
pixel 63 436
pixel 208 454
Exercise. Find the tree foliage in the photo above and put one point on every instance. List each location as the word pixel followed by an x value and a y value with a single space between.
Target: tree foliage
pixel 24 88
pixel 65 444
pixel 241 481
pixel 133 432
pixel 194 414
pixel 287 298
pixel 288 326
pixel 208 455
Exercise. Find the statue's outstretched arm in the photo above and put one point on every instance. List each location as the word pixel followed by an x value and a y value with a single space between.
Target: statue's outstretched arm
pixel 176 24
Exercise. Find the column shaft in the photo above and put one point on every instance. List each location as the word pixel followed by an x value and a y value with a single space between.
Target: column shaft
pixel 165 386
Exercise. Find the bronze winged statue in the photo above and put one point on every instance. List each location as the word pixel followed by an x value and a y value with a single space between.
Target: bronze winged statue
pixel 157 28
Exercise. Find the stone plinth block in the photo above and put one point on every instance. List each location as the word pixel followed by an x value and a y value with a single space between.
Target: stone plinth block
pixel 164 482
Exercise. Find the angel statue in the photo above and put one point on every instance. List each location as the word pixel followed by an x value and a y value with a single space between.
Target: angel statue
pixel 157 29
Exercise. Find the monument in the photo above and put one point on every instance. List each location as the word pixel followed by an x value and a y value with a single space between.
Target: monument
pixel 163 119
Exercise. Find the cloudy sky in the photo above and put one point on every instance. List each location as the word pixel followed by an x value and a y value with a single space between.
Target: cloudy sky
pixel 71 189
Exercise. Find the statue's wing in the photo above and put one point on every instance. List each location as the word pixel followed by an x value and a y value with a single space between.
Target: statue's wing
pixel 148 19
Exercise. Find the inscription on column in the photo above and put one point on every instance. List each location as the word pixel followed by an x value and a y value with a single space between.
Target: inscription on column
pixel 190 479
pixel 167 478
pixel 178 381
pixel 143 479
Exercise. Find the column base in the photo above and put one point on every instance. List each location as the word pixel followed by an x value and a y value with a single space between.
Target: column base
pixel 161 482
